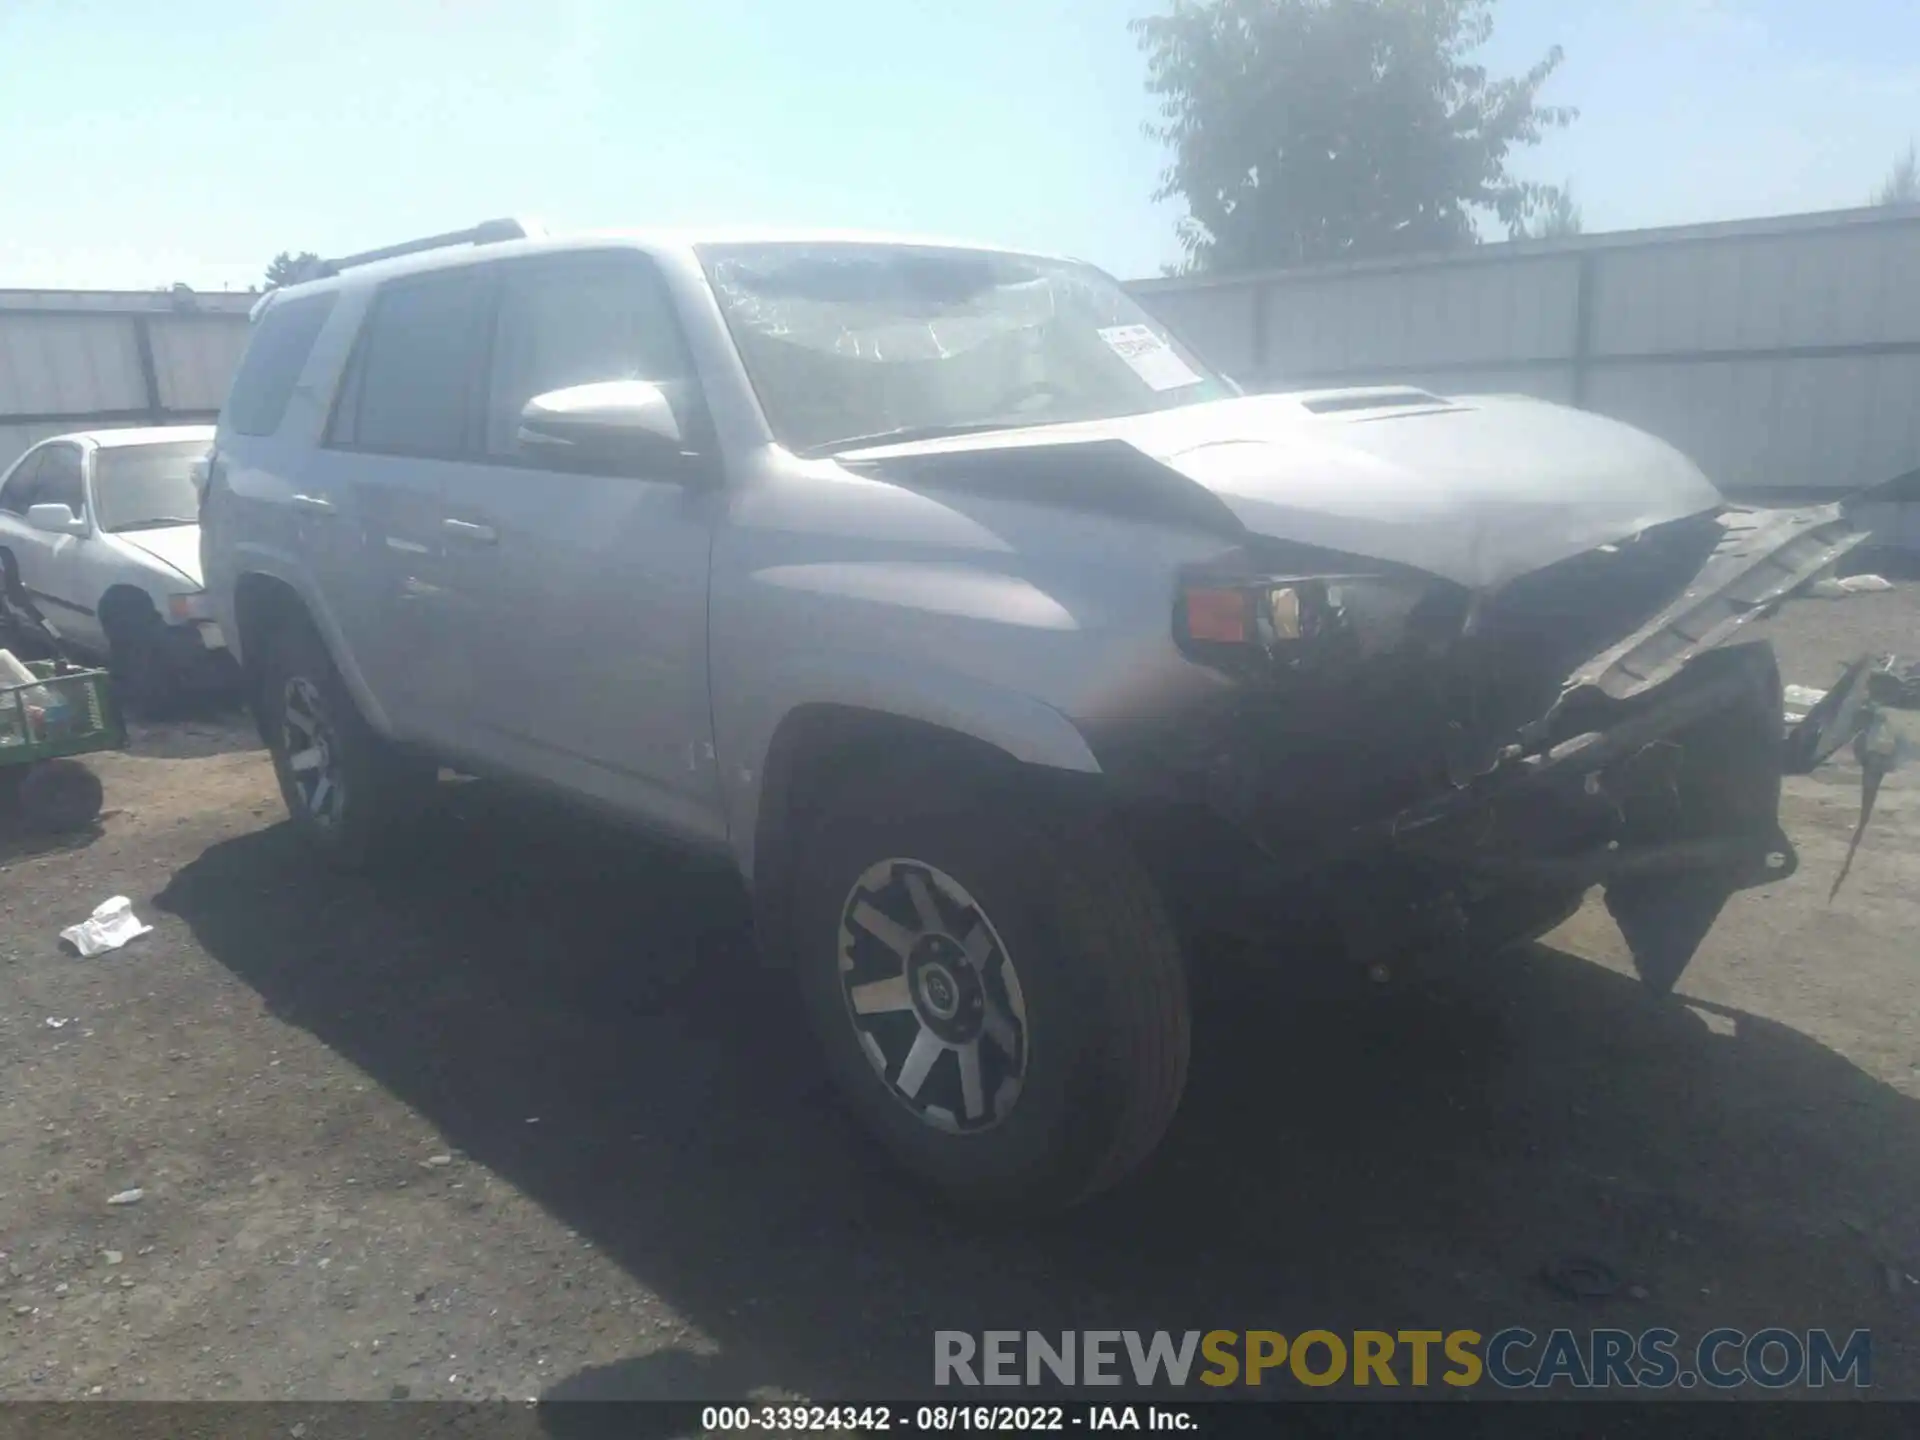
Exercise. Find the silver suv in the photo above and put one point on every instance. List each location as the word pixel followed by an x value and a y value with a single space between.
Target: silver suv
pixel 1002 645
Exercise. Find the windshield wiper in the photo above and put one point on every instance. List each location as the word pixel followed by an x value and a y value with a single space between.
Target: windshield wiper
pixel 907 434
pixel 154 524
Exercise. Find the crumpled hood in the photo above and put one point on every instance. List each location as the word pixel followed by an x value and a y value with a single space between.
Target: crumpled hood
pixel 175 546
pixel 1477 490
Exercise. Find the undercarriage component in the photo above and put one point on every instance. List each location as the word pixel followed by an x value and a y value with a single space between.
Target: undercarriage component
pixel 1672 807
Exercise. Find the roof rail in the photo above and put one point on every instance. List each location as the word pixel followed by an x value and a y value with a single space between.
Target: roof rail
pixel 487 232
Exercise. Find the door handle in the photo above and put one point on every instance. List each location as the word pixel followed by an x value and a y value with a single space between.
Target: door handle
pixel 313 505
pixel 471 533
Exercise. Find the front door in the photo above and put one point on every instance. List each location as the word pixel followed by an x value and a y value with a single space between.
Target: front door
pixel 52 566
pixel 580 599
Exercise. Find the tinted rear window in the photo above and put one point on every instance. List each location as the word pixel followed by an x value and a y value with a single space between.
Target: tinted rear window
pixel 275 356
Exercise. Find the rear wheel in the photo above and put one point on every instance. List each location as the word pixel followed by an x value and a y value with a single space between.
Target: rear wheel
pixel 346 789
pixel 999 993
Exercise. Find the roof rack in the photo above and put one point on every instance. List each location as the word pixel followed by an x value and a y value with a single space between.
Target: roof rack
pixel 487 232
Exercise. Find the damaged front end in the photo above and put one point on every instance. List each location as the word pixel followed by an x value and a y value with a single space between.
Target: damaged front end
pixel 1437 763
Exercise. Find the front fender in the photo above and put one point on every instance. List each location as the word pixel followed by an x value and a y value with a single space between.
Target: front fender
pixel 1023 728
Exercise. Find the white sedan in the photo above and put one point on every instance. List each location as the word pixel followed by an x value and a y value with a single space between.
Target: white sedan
pixel 101 531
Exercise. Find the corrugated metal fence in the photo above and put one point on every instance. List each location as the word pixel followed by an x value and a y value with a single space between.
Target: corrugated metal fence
pixel 1782 355
pixel 85 360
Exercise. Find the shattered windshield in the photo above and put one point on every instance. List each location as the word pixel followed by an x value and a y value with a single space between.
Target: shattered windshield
pixel 851 342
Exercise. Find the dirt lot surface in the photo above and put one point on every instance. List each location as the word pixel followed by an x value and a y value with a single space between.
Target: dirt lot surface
pixel 523 1118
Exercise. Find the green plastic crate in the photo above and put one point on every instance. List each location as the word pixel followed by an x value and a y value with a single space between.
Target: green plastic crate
pixel 62 712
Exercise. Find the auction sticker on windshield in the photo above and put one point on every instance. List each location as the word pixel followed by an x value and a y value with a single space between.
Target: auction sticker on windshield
pixel 1148 356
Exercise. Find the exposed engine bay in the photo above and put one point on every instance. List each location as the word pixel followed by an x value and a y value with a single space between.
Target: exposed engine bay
pixel 1596 722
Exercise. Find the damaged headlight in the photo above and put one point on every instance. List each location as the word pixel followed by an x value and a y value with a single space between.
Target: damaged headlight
pixel 1293 619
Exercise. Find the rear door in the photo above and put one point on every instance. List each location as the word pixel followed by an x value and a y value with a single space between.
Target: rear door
pixel 264 510
pixel 402 423
pixel 581 598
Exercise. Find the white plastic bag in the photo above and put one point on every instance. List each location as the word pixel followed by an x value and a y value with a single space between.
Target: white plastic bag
pixel 111 925
pixel 1832 589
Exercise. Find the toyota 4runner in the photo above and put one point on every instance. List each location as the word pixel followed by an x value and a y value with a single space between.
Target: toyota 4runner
pixel 997 640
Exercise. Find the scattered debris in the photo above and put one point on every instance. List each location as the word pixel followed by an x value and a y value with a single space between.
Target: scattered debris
pixel 1857 710
pixel 58 1022
pixel 1637 1292
pixel 1832 589
pixel 111 925
pixel 1895 682
pixel 1799 700
pixel 1580 1277
pixel 439 1161
pixel 1877 749
pixel 112 1257
pixel 127 1197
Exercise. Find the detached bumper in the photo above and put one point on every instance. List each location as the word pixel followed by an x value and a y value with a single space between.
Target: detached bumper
pixel 1657 772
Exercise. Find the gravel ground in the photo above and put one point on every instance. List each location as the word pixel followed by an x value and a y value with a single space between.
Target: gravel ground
pixel 522 1118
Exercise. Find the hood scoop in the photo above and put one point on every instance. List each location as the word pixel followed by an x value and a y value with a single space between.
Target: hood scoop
pixel 1336 402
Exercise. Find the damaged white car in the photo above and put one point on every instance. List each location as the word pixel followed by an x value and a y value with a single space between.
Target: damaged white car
pixel 988 632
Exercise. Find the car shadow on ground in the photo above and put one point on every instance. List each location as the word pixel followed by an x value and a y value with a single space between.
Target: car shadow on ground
pixel 20 841
pixel 1408 1158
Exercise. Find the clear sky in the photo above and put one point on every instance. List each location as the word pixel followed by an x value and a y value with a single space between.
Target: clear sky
pixel 189 140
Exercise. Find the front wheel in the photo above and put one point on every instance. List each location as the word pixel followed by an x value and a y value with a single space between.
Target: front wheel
pixel 345 787
pixel 1000 994
pixel 138 657
pixel 59 797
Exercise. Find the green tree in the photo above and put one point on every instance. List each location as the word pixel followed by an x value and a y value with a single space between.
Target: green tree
pixel 1306 130
pixel 1902 185
pixel 1558 218
pixel 290 269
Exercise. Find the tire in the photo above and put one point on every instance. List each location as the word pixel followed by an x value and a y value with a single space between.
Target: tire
pixel 137 656
pixel 58 797
pixel 1095 1034
pixel 347 790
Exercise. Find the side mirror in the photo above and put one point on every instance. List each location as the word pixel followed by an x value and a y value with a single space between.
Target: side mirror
pixel 55 520
pixel 626 426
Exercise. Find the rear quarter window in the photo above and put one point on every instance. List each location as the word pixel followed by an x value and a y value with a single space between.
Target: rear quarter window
pixel 276 354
